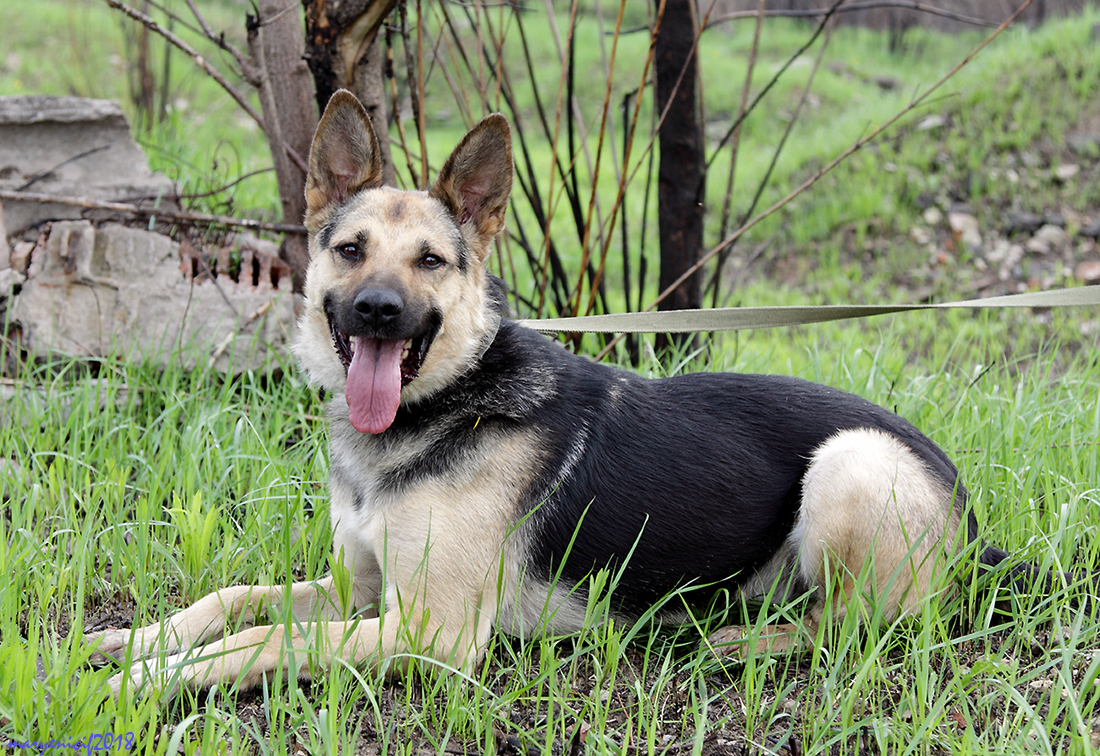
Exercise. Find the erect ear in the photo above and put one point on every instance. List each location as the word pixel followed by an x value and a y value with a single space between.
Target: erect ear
pixel 476 180
pixel 343 158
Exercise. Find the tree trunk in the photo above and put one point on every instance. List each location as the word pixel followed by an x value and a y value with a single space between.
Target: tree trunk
pixel 682 172
pixel 343 53
pixel 276 43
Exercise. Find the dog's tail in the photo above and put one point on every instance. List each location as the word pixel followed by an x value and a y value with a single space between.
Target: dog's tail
pixel 997 568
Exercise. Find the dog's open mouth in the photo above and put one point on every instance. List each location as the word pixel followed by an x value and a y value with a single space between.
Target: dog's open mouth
pixel 413 352
pixel 377 369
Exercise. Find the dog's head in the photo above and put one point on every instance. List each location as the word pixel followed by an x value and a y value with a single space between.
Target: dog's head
pixel 397 298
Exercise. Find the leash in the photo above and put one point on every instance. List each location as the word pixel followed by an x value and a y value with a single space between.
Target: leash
pixel 746 318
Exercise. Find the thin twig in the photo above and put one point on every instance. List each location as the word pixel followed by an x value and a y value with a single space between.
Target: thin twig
pixel 212 72
pixel 671 97
pixel 182 215
pixel 595 168
pixel 219 39
pixel 219 350
pixel 735 146
pixel 395 106
pixel 42 174
pixel 815 12
pixel 779 148
pixel 829 167
pixel 554 147
pixel 767 87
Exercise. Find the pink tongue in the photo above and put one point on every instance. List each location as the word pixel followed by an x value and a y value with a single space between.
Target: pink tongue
pixel 374 383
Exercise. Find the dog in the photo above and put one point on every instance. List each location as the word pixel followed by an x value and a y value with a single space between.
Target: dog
pixel 480 473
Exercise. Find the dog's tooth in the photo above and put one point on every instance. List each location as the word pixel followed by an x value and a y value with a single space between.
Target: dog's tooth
pixel 405 350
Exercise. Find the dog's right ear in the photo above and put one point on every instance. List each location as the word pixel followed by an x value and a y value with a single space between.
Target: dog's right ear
pixel 343 158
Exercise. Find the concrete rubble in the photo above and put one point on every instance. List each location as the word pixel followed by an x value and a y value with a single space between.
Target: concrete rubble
pixel 89 287
pixel 73 147
pixel 118 291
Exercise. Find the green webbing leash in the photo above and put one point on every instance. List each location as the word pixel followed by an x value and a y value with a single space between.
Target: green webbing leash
pixel 744 318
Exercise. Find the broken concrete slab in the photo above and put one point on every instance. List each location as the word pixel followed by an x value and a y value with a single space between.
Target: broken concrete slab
pixel 124 292
pixel 70 146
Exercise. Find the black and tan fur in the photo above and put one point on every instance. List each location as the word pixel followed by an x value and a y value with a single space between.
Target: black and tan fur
pixel 511 469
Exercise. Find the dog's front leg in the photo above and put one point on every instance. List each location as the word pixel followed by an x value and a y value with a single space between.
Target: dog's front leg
pixel 210 616
pixel 243 659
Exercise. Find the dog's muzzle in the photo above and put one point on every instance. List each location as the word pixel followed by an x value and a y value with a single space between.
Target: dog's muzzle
pixel 382 348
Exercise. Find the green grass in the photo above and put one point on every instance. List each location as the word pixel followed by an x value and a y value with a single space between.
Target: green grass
pixel 141 490
pixel 128 492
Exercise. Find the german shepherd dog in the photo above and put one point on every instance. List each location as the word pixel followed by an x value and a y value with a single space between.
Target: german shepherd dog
pixel 480 473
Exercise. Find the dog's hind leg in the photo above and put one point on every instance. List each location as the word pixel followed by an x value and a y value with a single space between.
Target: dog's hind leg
pixel 875 527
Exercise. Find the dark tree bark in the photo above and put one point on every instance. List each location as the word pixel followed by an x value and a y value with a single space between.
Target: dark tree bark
pixel 343 53
pixel 682 172
pixel 276 42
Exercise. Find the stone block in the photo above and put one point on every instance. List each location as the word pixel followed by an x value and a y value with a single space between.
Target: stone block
pixel 122 292
pixel 70 146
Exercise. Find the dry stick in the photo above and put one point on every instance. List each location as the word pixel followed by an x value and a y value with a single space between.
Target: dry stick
pixel 44 173
pixel 120 207
pixel 529 186
pixel 815 12
pixel 624 179
pixel 421 124
pixel 457 89
pixel 566 80
pixel 767 87
pixel 396 104
pixel 232 335
pixel 505 23
pixel 603 58
pixel 775 156
pixel 219 39
pixel 480 48
pixel 723 254
pixel 596 166
pixel 212 72
pixel 832 164
pixel 552 272
pixel 554 149
pixel 736 143
pixel 622 185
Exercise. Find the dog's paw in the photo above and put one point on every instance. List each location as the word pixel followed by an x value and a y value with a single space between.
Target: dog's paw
pixel 730 641
pixel 739 643
pixel 160 675
pixel 108 645
pixel 112 645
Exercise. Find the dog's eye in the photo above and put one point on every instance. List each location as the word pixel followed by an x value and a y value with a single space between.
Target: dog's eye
pixel 349 251
pixel 430 261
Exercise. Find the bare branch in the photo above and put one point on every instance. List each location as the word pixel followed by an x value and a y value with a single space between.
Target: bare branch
pixel 841 157
pixel 827 14
pixel 735 146
pixel 202 63
pixel 859 144
pixel 246 64
pixel 816 12
pixel 122 207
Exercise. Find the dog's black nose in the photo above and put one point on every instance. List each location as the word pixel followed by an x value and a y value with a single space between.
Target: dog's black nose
pixel 378 307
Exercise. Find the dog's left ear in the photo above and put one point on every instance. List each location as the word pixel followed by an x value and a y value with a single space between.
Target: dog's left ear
pixel 475 182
